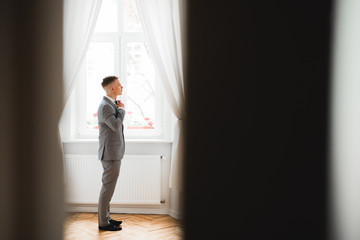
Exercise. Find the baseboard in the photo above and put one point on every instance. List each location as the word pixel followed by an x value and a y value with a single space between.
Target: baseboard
pixel 175 214
pixel 136 209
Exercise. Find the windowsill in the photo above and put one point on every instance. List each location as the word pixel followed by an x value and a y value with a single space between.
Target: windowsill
pixel 126 141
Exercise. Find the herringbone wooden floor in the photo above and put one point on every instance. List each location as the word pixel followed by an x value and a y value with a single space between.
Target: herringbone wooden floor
pixel 84 226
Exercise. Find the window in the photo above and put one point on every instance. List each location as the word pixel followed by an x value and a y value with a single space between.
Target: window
pixel 119 47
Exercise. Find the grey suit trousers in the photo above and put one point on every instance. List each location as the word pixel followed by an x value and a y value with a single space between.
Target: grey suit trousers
pixel 109 179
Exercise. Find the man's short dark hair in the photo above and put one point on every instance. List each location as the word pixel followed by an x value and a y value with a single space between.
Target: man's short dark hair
pixel 108 80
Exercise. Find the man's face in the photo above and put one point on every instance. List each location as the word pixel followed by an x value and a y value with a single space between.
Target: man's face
pixel 117 88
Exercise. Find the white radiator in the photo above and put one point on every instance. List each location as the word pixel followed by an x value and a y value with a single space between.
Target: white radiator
pixel 139 181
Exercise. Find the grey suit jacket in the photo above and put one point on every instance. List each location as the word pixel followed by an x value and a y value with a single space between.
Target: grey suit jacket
pixel 111 136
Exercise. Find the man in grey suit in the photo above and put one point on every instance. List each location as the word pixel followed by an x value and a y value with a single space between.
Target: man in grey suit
pixel 111 115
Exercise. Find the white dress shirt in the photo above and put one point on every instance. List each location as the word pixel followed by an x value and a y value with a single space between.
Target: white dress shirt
pixel 113 101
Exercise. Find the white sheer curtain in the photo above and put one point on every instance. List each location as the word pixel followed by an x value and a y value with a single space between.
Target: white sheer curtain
pixel 79 23
pixel 161 22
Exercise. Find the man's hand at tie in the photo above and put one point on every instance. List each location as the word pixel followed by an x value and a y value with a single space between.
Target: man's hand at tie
pixel 119 104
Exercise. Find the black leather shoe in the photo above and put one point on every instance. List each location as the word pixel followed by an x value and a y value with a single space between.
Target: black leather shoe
pixel 111 227
pixel 115 222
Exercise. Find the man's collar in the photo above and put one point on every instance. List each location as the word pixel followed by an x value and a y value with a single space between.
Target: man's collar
pixel 109 99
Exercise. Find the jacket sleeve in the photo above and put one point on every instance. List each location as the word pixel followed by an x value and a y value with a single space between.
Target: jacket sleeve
pixel 112 119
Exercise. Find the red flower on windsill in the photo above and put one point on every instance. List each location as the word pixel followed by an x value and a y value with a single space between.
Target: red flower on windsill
pixel 150 124
pixel 129 112
pixel 95 114
pixel 147 119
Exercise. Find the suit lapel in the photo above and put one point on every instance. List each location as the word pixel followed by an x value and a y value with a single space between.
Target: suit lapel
pixel 111 102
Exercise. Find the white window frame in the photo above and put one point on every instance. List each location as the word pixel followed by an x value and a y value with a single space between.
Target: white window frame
pixel 120 40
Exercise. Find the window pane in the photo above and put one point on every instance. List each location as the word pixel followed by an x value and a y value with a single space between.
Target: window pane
pixel 100 63
pixel 132 20
pixel 107 19
pixel 140 73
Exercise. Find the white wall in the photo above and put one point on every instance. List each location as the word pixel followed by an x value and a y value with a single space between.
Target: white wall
pixel 345 148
